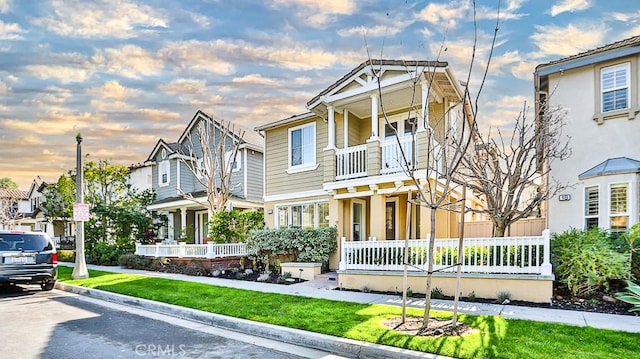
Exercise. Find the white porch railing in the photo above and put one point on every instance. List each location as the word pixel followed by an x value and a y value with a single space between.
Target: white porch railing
pixel 392 160
pixel 182 250
pixel 503 255
pixel 351 162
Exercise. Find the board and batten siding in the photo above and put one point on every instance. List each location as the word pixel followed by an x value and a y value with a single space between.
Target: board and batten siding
pixel 278 181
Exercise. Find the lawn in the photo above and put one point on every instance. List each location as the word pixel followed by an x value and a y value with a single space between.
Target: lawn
pixel 496 338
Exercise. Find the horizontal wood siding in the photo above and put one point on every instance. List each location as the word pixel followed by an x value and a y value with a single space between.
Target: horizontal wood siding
pixel 254 175
pixel 277 161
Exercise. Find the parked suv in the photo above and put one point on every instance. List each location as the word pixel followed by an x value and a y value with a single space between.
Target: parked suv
pixel 28 258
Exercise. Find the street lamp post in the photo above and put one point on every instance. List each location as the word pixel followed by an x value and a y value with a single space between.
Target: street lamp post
pixel 80 270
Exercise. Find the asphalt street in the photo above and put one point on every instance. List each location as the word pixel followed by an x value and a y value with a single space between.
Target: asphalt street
pixel 56 324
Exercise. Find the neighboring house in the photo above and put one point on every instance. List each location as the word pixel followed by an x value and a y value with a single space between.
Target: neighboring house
pixel 600 89
pixel 140 176
pixel 14 209
pixel 171 179
pixel 338 164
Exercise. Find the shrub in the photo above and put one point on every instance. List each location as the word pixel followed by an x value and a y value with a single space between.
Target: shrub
pixel 503 297
pixel 304 245
pixel 65 255
pixel 631 296
pixel 436 293
pixel 104 254
pixel 233 227
pixel 132 261
pixel 587 260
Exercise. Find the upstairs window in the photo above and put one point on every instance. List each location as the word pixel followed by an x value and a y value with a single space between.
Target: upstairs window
pixel 163 173
pixel 302 147
pixel 614 86
pixel 591 208
pixel 237 162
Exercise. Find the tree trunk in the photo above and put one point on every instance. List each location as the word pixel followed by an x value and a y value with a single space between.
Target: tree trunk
pixel 432 240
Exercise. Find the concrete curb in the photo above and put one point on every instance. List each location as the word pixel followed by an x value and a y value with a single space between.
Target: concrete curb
pixel 336 345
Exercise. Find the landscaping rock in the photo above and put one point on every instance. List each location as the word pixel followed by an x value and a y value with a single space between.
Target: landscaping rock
pixel 263 277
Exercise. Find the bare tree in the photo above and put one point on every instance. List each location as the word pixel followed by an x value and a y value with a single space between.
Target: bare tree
pixel 511 172
pixel 437 184
pixel 10 207
pixel 210 153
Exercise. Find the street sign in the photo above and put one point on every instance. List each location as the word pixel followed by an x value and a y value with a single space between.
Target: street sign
pixel 80 212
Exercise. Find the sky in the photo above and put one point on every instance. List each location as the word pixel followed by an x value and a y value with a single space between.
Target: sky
pixel 125 73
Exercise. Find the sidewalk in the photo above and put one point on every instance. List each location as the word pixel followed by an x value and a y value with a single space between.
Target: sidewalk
pixel 323 287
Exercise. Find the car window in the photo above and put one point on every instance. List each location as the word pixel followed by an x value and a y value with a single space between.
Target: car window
pixel 24 242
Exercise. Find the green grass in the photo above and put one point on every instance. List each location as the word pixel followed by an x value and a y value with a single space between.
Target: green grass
pixel 496 338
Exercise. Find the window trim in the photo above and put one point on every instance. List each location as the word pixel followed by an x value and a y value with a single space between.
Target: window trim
pixel 612 214
pixel 238 160
pixel 584 212
pixel 162 164
pixel 305 166
pixel 633 107
pixel 316 212
pixel 614 68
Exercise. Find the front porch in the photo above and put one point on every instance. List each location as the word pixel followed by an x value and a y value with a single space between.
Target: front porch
pixel 517 265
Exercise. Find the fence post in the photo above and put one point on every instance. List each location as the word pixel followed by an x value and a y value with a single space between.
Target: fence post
pixel 137 252
pixel 545 268
pixel 210 249
pixel 343 254
pixel 157 253
pixel 183 249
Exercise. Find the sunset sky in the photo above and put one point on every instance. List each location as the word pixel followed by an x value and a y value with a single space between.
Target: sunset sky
pixel 126 73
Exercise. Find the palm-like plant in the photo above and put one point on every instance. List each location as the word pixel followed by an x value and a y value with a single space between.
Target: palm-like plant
pixel 631 296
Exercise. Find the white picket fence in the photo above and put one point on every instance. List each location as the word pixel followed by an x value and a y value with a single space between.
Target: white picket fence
pixel 503 255
pixel 183 250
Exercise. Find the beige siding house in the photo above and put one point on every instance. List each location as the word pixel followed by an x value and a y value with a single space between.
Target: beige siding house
pixel 600 89
pixel 338 164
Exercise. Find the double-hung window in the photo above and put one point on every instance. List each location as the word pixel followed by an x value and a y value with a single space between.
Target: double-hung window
pixel 614 87
pixel 236 161
pixel 163 173
pixel 302 147
pixel 619 207
pixel 591 207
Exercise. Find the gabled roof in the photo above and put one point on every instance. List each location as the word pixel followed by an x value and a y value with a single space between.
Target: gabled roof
pixel 406 64
pixel 612 166
pixel 607 52
pixel 251 138
pixel 13 194
pixel 161 144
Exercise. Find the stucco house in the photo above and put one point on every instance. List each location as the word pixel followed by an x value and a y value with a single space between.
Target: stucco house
pixel 14 209
pixel 171 179
pixel 338 164
pixel 600 89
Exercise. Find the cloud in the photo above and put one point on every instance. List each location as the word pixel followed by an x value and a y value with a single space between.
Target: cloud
pixel 129 61
pixel 576 38
pixel 4 89
pixel 257 79
pixel 64 74
pixel 10 31
pixel 194 56
pixel 507 12
pixel 445 15
pixel 4 6
pixel 102 19
pixel 502 112
pixel 113 90
pixel 51 123
pixel 570 6
pixel 318 13
pixel 184 87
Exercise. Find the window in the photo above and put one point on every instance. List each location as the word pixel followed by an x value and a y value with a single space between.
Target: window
pixel 306 215
pixel 163 173
pixel 238 160
pixel 618 209
pixel 591 207
pixel 302 146
pixel 614 85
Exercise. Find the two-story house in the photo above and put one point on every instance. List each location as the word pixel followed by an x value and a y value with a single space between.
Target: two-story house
pixel 600 89
pixel 171 180
pixel 14 209
pixel 340 165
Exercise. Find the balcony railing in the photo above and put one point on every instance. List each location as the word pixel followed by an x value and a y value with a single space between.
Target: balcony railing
pixel 503 255
pixel 392 160
pixel 351 162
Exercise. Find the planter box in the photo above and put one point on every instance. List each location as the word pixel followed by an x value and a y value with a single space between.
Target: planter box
pixel 309 270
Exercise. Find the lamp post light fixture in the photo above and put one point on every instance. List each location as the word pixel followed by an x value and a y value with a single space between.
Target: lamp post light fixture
pixel 80 270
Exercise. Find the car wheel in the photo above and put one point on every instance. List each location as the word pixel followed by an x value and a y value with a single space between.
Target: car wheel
pixel 48 285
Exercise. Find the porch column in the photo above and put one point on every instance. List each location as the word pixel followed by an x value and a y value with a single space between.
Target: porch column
pixel 331 135
pixel 171 226
pixel 337 218
pixel 377 216
pixel 329 164
pixel 374 117
pixel 424 120
pixel 183 220
pixel 345 129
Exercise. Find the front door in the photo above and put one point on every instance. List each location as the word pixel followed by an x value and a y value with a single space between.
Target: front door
pixel 202 226
pixel 358 232
pixel 390 219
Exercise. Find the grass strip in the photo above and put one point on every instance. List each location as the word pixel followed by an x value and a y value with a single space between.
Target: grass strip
pixel 497 337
